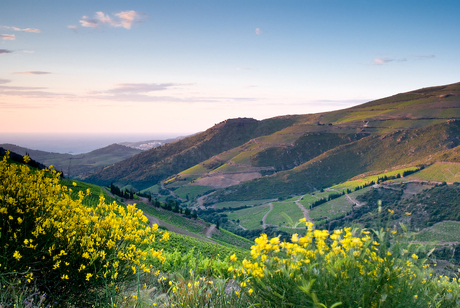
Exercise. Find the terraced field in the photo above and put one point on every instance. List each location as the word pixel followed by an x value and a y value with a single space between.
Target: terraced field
pixel 440 172
pixel 250 218
pixel 445 231
pixel 291 209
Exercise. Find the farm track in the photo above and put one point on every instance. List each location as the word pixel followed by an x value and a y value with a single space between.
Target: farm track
pixel 306 212
pixel 264 225
pixel 170 227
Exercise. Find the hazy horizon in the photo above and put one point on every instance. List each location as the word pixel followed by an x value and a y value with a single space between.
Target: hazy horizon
pixel 76 143
pixel 172 66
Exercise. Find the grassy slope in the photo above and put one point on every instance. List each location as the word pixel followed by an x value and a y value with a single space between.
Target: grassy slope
pixel 81 163
pixel 346 161
pixel 149 167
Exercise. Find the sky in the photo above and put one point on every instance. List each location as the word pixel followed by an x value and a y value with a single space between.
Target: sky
pixel 179 67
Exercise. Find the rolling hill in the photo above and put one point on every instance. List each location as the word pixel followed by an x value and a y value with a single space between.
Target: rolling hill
pixel 78 165
pixel 246 159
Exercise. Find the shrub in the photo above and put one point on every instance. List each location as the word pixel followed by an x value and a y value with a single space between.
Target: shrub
pixel 68 251
pixel 348 268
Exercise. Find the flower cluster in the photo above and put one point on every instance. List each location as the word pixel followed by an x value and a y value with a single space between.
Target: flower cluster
pixel 60 244
pixel 350 267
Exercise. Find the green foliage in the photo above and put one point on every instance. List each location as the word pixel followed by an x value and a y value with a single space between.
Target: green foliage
pixel 58 246
pixel 346 161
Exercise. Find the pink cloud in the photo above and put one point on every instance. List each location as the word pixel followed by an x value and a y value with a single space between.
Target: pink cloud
pixel 123 19
pixel 10 37
pixel 27 30
pixel 258 31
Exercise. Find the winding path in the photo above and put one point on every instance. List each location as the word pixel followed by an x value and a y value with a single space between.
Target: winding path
pixel 305 211
pixel 264 225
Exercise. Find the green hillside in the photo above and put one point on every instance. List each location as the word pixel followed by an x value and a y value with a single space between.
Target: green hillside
pixel 77 165
pixel 375 152
pixel 148 168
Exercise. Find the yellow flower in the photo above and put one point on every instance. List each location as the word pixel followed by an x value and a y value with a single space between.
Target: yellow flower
pixel 17 255
pixel 233 258
pixel 66 277
pixel 250 291
pixel 88 276
pixel 391 211
pixel 408 214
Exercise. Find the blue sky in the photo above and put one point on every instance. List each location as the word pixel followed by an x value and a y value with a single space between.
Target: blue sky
pixel 182 66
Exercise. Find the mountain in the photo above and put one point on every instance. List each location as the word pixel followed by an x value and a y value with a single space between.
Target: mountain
pixel 77 165
pixel 149 144
pixel 246 159
pixel 150 167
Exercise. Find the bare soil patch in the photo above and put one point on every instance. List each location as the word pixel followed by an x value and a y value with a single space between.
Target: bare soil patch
pixel 226 179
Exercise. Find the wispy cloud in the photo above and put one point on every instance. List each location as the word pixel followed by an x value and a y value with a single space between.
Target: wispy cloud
pixel 380 61
pixel 28 51
pixel 258 31
pixel 32 30
pixel 26 30
pixel 32 73
pixel 425 57
pixel 385 60
pixel 10 37
pixel 5 51
pixel 29 92
pixel 123 19
pixel 141 87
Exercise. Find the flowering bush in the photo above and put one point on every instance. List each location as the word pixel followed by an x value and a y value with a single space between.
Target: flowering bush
pixel 344 268
pixel 68 251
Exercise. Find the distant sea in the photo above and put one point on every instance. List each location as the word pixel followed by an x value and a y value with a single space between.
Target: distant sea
pixel 75 143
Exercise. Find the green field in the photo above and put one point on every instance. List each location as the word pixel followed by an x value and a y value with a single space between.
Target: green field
pixel 192 225
pixel 332 209
pixel 445 231
pixel 289 208
pixel 192 191
pixel 308 199
pixel 440 172
pixel 243 157
pixel 197 169
pixel 250 218
pixel 232 204
pixel 224 236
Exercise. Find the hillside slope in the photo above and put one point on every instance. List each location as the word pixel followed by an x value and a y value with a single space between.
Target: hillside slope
pixel 78 165
pixel 150 167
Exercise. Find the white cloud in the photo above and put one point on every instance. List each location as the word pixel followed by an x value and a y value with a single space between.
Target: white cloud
pixel 10 37
pixel 258 31
pixel 32 73
pixel 28 51
pixel 26 30
pixel 123 19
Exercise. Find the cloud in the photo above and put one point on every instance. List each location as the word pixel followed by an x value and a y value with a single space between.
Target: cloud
pixel 28 51
pixel 32 73
pixel 4 51
pixel 123 19
pixel 258 31
pixel 380 61
pixel 129 88
pixel 425 57
pixel 10 37
pixel 26 30
pixel 29 92
pixel 72 27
